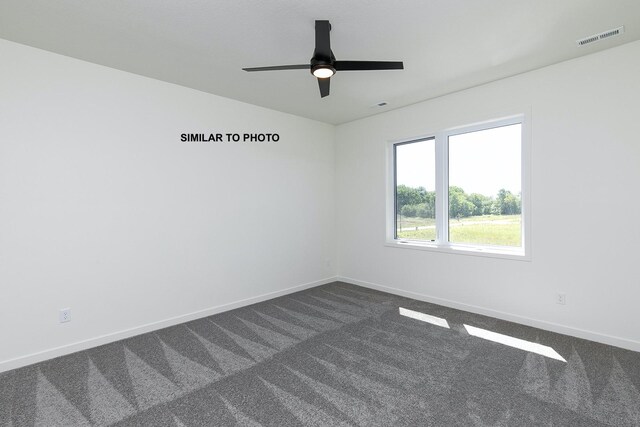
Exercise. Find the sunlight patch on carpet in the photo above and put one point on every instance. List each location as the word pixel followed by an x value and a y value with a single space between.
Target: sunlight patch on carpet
pixel 438 321
pixel 514 342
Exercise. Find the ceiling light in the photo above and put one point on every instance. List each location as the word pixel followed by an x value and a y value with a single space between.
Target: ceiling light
pixel 323 71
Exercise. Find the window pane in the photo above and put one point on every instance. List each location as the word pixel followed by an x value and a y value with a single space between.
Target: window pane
pixel 415 190
pixel 485 188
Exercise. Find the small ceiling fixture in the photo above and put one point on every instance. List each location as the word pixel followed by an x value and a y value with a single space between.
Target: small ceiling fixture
pixel 323 64
pixel 323 71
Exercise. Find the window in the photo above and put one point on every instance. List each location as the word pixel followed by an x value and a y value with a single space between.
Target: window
pixel 462 190
pixel 415 190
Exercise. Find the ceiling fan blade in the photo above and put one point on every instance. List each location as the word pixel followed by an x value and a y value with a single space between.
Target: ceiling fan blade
pixel 367 65
pixel 323 42
pixel 324 87
pixel 280 67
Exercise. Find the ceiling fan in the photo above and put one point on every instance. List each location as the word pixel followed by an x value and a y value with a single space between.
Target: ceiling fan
pixel 323 64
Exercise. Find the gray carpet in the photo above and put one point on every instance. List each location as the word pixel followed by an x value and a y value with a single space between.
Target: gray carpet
pixel 336 355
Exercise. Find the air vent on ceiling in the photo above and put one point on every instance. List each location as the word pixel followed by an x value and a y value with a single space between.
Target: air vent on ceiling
pixel 603 35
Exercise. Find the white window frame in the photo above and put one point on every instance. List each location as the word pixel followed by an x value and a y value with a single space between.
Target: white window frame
pixel 442 244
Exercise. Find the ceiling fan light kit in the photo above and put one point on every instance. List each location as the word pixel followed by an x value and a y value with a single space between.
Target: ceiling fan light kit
pixel 323 64
pixel 323 71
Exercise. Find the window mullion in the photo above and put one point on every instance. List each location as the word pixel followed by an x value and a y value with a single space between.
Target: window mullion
pixel 442 185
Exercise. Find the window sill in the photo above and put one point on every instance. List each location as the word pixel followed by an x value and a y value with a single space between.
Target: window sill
pixel 485 251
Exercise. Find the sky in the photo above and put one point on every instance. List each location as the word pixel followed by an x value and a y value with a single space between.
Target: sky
pixel 479 162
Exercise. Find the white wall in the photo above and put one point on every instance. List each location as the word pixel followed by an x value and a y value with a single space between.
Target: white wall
pixel 585 205
pixel 105 211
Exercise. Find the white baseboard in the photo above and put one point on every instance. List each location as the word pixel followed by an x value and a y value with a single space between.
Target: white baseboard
pixel 541 324
pixel 40 356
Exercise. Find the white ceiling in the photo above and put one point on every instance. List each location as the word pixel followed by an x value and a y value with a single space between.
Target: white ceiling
pixel 446 45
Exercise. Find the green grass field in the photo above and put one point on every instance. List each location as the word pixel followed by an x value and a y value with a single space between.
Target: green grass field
pixel 501 230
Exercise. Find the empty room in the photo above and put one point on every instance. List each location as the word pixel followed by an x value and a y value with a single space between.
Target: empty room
pixel 286 213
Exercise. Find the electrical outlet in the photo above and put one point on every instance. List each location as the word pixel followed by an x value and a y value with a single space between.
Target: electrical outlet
pixel 561 298
pixel 64 315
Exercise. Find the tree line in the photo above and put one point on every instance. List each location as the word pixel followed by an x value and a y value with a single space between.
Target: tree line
pixel 418 202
